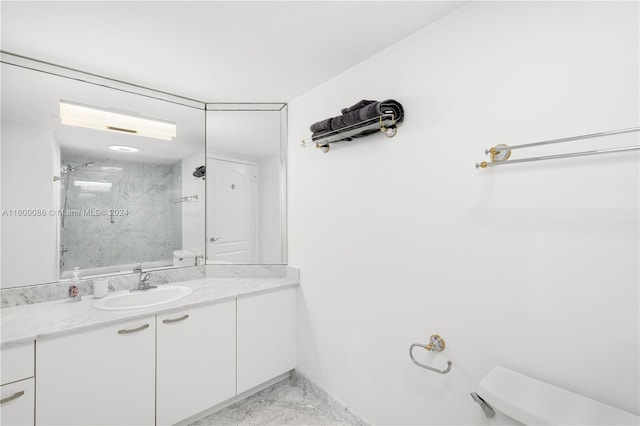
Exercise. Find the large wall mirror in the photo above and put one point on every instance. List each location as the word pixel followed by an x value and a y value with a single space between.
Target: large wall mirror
pixel 101 175
pixel 74 195
pixel 97 178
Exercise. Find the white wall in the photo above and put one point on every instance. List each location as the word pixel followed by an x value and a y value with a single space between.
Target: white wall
pixel 533 266
pixel 193 213
pixel 270 240
pixel 27 241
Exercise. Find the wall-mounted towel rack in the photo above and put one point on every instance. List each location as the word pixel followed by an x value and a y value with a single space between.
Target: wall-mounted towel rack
pixel 385 123
pixel 500 154
pixel 187 199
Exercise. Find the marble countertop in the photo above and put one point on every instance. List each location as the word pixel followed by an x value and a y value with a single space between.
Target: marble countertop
pixel 42 320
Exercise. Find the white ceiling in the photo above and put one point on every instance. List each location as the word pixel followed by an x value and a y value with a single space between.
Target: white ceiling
pixel 232 51
pixel 32 99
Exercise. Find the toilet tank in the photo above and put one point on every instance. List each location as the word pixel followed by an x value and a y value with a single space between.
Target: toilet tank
pixel 184 258
pixel 533 402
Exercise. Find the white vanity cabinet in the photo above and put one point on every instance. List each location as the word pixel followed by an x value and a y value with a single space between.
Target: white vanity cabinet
pixel 266 337
pixel 17 390
pixel 196 356
pixel 103 376
pixel 161 369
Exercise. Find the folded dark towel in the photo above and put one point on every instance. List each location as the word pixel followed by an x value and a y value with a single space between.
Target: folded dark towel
pixel 358 115
pixel 362 103
pixel 388 107
pixel 321 126
pixel 368 112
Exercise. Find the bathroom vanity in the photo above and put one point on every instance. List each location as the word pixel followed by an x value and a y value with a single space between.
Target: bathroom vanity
pixel 157 365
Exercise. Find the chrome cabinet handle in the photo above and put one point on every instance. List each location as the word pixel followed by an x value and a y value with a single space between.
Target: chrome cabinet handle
pixel 214 239
pixel 12 397
pixel 182 318
pixel 133 330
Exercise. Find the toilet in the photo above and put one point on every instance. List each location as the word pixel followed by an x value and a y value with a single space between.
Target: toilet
pixel 184 258
pixel 508 398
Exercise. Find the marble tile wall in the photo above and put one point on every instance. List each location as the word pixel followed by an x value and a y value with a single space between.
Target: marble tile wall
pixel 145 226
pixel 175 189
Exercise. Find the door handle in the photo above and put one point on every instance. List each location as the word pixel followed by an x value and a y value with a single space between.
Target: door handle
pixel 214 239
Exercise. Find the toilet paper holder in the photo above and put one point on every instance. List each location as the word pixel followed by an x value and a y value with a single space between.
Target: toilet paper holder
pixel 436 344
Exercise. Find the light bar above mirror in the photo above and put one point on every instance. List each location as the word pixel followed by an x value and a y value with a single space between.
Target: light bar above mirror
pixel 75 114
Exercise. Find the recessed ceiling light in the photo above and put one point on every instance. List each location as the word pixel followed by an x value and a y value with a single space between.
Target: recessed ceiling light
pixel 122 148
pixel 75 114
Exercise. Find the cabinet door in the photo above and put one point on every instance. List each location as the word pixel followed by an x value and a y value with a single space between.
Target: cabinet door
pixel 104 376
pixel 16 406
pixel 266 337
pixel 196 356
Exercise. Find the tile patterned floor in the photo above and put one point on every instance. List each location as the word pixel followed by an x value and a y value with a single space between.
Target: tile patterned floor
pixel 290 402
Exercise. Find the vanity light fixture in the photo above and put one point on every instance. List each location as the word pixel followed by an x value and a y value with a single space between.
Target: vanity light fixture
pixel 92 184
pixel 122 148
pixel 75 114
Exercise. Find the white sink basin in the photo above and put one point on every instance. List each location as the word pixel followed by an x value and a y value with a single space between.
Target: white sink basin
pixel 143 299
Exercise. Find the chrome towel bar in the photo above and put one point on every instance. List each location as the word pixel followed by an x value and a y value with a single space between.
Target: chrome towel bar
pixel 500 153
pixel 187 199
pixel 484 164
pixel 436 343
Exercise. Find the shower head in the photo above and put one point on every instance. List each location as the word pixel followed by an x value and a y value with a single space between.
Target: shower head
pixel 79 166
pixel 69 168
pixel 200 172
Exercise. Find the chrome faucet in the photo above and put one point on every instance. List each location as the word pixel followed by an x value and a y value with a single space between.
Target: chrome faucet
pixel 144 279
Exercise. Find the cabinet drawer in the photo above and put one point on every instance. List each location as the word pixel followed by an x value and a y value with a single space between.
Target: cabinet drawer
pixel 17 406
pixel 17 363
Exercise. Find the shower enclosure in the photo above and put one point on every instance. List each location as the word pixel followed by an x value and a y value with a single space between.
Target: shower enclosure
pixel 115 213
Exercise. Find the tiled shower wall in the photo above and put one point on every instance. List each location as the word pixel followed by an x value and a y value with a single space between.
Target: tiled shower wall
pixel 145 225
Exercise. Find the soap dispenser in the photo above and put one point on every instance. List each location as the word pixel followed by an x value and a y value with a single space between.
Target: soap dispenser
pixel 74 287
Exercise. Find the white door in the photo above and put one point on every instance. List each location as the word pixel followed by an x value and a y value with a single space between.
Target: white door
pixel 231 212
